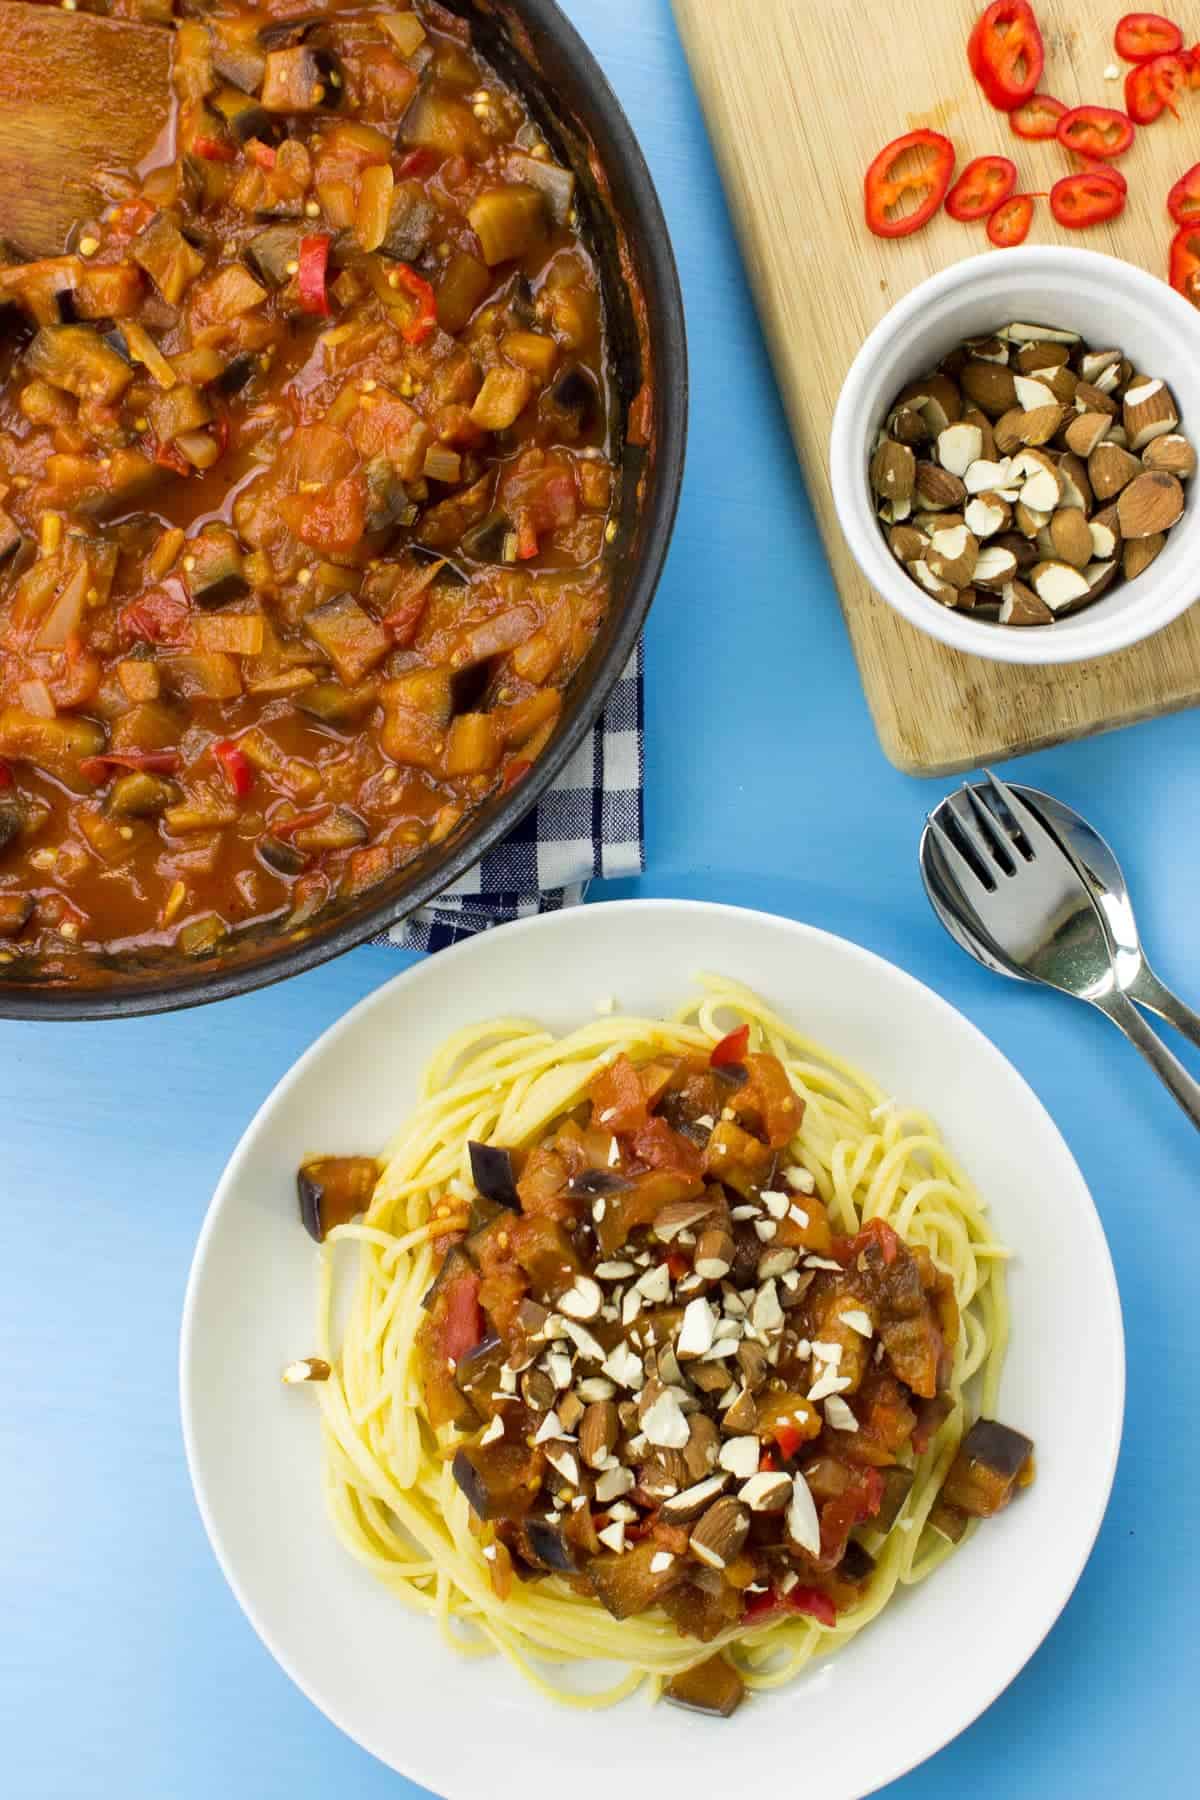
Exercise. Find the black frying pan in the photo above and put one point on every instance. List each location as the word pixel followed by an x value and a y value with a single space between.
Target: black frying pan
pixel 534 46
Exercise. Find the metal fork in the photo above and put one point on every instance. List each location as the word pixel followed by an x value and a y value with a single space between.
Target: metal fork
pixel 1017 888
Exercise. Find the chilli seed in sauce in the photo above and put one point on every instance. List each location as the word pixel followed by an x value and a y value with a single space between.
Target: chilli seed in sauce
pixel 304 488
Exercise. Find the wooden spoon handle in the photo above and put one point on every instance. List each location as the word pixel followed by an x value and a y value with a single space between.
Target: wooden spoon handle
pixel 81 97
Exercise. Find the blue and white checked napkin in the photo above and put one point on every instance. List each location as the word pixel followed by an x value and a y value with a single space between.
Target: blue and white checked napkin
pixel 588 824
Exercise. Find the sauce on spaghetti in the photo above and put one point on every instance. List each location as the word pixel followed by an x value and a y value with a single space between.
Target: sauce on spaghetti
pixel 304 487
pixel 679 1386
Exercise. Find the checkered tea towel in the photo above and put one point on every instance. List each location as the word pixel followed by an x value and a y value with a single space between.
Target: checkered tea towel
pixel 588 824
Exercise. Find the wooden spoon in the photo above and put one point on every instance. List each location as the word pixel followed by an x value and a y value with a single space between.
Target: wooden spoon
pixel 82 98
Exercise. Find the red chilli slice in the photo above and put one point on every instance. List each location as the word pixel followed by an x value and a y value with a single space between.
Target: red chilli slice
pixel 1006 53
pixel 983 186
pixel 1143 35
pixel 1151 88
pixel 895 174
pixel 1038 118
pixel 1009 224
pixel 1098 131
pixel 1089 198
pixel 1183 201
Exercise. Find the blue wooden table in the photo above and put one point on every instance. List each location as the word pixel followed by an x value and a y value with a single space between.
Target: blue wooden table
pixel 126 1669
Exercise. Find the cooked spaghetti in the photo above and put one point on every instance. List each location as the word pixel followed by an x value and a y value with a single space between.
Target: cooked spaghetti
pixel 663 1349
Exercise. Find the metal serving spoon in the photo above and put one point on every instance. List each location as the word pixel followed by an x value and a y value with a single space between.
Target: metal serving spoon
pixel 1103 874
pixel 1012 895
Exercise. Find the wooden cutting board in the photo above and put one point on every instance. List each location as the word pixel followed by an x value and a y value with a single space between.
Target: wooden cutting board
pixel 799 96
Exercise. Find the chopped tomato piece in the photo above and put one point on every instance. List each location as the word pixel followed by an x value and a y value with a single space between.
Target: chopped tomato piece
pixel 618 1099
pixel 214 149
pixel 158 617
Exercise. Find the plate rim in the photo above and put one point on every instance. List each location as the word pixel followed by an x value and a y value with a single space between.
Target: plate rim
pixel 1114 1334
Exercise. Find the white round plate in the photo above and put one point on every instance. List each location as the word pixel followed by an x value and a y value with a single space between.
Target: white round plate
pixel 471 1728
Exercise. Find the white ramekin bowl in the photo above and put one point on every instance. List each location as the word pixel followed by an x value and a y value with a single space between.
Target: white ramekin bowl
pixel 1111 304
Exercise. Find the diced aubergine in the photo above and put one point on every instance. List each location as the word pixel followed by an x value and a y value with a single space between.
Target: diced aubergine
pixel 574 396
pixel 992 1462
pixel 354 642
pixel 627 1585
pixel 712 1687
pixel 508 222
pixel 77 359
pixel 341 829
pixel 237 374
pixel 284 34
pixel 949 1522
pixel 333 1189
pixel 388 504
pixel 237 62
pixel 271 251
pixel 557 185
pixel 336 705
pixel 544 1543
pixel 16 910
pixel 456 1262
pixel 202 936
pixel 411 220
pixel 485 542
pixel 897 1485
pixel 245 117
pixel 11 824
pixel 462 288
pixel 281 856
pixel 857 1564
pixel 140 795
pixel 301 80
pixel 213 567
pixel 493 1174
pixel 500 1480
pixel 10 536
pixel 168 259
pixel 478 1374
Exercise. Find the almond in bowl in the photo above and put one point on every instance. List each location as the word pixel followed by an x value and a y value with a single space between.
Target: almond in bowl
pixel 1028 474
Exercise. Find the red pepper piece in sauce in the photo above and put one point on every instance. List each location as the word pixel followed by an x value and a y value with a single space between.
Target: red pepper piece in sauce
pixel 1140 36
pixel 516 771
pixel 789 1440
pixel 313 258
pixel 168 457
pixel 1183 201
pixel 1098 131
pixel 1006 53
pixel 237 767
pixel 983 185
pixel 875 1231
pixel 1037 118
pixel 1185 263
pixel 464 1320
pixel 287 828
pixel 896 173
pixel 761 1607
pixel 731 1049
pixel 1151 88
pixel 1009 224
pixel 416 165
pixel 260 154
pixel 97 769
pixel 213 149
pixel 1089 198
pixel 424 321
